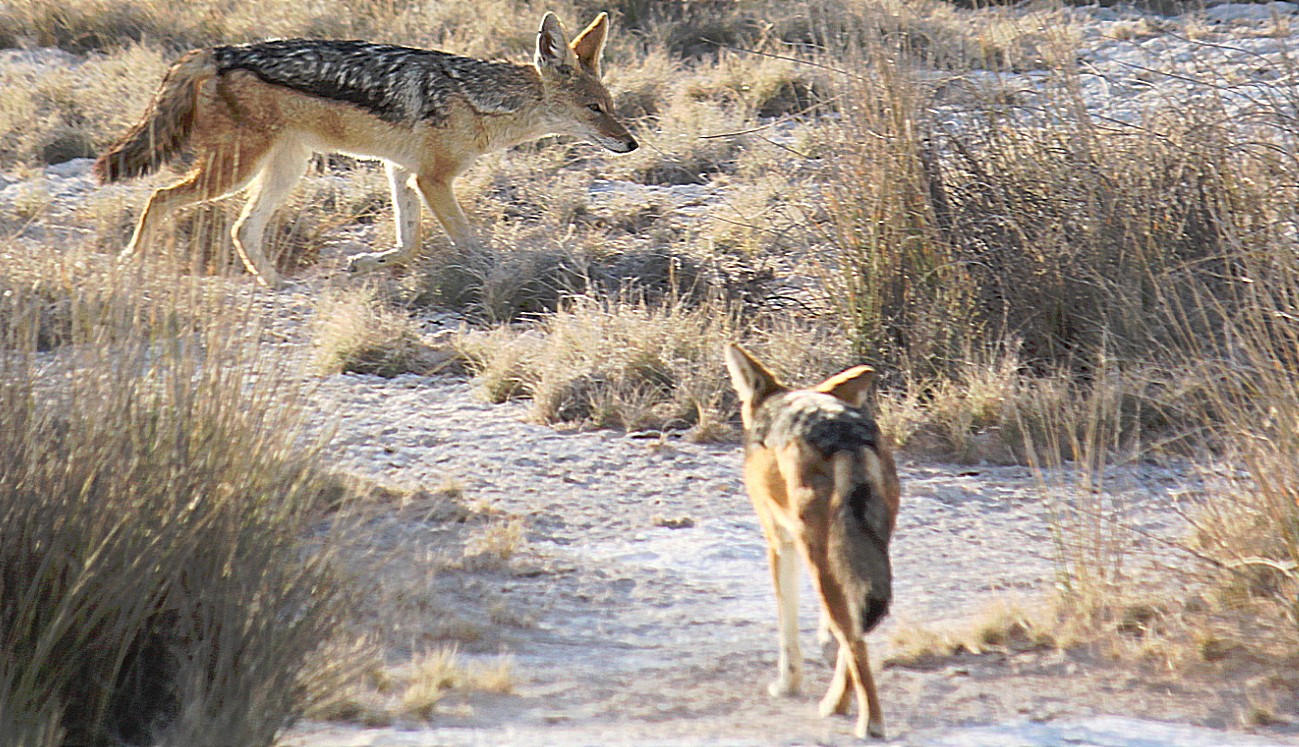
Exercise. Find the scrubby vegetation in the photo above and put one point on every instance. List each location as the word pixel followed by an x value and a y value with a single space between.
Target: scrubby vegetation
pixel 164 574
pixel 821 180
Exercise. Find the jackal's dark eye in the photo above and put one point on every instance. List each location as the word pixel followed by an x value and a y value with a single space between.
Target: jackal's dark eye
pixel 595 108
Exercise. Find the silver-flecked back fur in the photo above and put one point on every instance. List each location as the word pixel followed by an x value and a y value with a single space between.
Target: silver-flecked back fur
pixel 396 84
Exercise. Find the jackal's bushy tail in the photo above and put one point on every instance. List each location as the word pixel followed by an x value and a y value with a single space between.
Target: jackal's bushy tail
pixel 859 536
pixel 166 126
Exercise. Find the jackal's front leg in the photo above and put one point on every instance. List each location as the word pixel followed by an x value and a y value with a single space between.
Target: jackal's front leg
pixel 440 196
pixel 406 216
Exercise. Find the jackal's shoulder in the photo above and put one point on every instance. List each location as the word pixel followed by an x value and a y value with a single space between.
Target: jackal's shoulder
pixel 824 421
pixel 395 83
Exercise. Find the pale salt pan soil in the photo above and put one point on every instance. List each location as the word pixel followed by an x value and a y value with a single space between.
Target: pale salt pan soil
pixel 643 633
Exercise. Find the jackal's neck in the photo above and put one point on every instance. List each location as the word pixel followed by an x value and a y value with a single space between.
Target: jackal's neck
pixel 529 121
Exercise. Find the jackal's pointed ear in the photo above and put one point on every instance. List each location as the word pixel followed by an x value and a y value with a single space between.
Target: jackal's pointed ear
pixel 553 51
pixel 589 45
pixel 852 386
pixel 752 381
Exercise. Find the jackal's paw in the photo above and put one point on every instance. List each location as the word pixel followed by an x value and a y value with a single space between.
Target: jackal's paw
pixel 368 262
pixel 873 729
pixel 271 281
pixel 785 687
pixel 834 703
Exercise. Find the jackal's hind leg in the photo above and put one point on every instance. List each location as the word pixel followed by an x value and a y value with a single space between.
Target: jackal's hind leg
pixel 785 563
pixel 853 665
pixel 870 718
pixel 837 698
pixel 823 634
pixel 199 185
pixel 406 215
pixel 278 176
pixel 161 203
pixel 217 173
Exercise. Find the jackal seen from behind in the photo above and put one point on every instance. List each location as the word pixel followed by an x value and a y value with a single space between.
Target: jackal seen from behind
pixel 824 485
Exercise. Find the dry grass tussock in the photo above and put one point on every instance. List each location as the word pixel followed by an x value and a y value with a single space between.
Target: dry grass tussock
pixel 1248 531
pixel 161 527
pixel 1077 239
pixel 608 363
pixel 638 365
pixel 417 691
pixel 355 333
pixel 1226 604
pixel 1004 626
pixel 436 673
pixel 60 107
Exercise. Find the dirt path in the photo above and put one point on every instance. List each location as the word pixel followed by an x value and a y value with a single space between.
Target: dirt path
pixel 638 609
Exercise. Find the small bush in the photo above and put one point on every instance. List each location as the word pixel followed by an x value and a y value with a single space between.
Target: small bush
pixel 158 515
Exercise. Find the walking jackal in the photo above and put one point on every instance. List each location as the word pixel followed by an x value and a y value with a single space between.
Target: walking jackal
pixel 825 488
pixel 252 115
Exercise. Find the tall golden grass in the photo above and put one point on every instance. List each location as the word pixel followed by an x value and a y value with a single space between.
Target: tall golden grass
pixel 1151 264
pixel 164 533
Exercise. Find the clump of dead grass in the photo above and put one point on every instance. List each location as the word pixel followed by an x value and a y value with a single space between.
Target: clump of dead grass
pixel 496 545
pixel 1249 529
pixel 356 333
pixel 107 25
pixel 156 489
pixel 413 691
pixel 759 86
pixel 1050 227
pixel 612 362
pixel 57 107
pixel 436 673
pixel 685 147
pixel 50 300
pixel 496 285
pixel 1001 626
pixel 629 363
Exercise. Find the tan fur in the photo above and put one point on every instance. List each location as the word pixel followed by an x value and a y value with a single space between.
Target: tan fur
pixel 801 498
pixel 249 134
pixel 165 129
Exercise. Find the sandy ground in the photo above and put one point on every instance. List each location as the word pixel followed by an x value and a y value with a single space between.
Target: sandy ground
pixel 638 610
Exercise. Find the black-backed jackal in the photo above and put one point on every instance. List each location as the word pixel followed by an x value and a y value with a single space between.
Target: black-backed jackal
pixel 252 115
pixel 825 488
